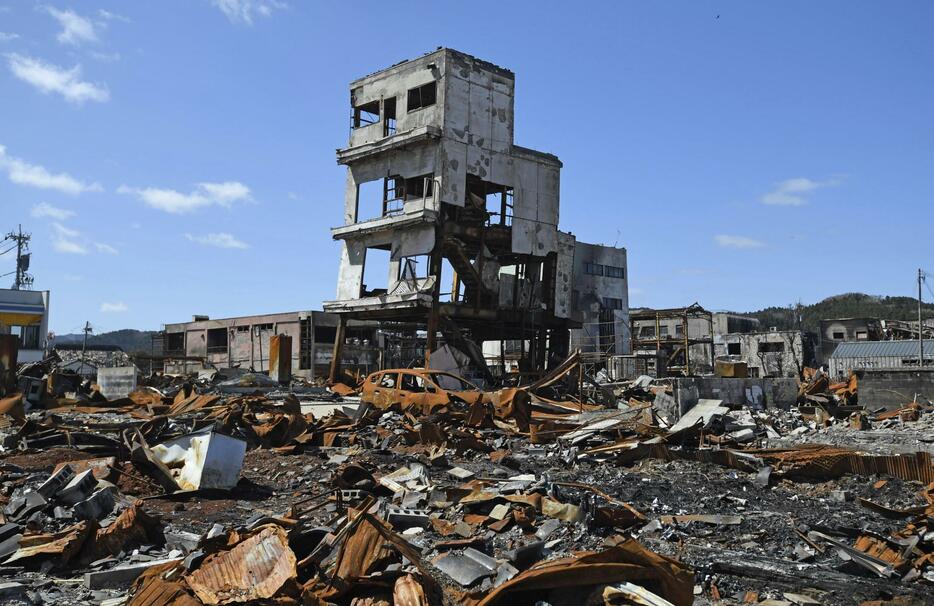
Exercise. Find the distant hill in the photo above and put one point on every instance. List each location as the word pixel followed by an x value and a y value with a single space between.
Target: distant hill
pixel 849 305
pixel 128 340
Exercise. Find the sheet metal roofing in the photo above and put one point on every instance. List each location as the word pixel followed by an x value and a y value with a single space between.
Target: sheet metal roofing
pixel 881 349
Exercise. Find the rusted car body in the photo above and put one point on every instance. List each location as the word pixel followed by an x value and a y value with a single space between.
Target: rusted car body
pixel 423 389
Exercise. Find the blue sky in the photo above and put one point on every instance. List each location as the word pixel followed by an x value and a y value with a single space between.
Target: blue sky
pixel 173 158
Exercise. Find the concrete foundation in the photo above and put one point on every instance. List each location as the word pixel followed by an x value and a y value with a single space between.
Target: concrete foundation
pixel 754 393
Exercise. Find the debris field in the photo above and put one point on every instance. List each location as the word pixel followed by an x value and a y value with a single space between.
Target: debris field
pixel 228 488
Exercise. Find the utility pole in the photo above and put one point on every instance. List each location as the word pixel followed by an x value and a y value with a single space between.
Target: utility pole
pixel 87 330
pixel 23 279
pixel 920 324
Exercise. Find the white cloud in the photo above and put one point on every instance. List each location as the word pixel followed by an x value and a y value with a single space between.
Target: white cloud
pixel 118 307
pixel 204 194
pixel 76 29
pixel 242 11
pixel 73 242
pixel 105 57
pixel 48 78
pixel 737 242
pixel 8 36
pixel 67 241
pixel 220 240
pixel 23 173
pixel 109 16
pixel 43 210
pixel 795 192
pixel 105 248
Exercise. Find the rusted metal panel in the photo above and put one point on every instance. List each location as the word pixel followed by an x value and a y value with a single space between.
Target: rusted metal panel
pixel 253 570
pixel 9 353
pixel 280 358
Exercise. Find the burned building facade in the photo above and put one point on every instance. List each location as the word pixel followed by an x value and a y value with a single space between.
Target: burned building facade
pixel 448 224
pixel 245 342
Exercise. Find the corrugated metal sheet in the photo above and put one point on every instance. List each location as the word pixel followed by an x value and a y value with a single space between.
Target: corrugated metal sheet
pixel 881 349
pixel 253 570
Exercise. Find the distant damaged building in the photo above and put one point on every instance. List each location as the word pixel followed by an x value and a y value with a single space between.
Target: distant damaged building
pixel 451 226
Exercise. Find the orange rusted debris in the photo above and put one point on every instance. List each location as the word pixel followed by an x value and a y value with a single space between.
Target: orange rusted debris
pixel 627 561
pixel 13 407
pixel 152 589
pixel 63 545
pixel 255 569
pixel 133 527
pixel 408 592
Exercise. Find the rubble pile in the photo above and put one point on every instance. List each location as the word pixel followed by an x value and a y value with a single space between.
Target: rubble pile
pixel 228 488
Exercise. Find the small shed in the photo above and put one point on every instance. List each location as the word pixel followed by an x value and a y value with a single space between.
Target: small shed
pixel 853 355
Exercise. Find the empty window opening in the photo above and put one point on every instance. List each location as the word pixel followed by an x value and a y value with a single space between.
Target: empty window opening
pixel 366 114
pixel 839 336
pixel 496 200
pixel 325 334
pixel 389 116
pixel 413 268
pixel 593 269
pixel 611 271
pixel 734 349
pixel 175 342
pixel 422 96
pixel 370 200
pixel 414 383
pixel 679 330
pixel 28 335
pixel 647 331
pixel 418 187
pixel 611 303
pixel 393 196
pixel 375 272
pixel 662 330
pixel 777 347
pixel 217 340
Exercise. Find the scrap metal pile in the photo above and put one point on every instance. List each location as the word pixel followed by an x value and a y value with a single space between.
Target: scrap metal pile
pixel 412 489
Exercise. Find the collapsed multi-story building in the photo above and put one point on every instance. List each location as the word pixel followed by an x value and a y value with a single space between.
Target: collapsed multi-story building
pixel 451 226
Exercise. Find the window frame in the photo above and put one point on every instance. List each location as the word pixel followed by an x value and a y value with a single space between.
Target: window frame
pixel 418 90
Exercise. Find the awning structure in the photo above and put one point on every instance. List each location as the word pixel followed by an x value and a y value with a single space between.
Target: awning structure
pixel 21 314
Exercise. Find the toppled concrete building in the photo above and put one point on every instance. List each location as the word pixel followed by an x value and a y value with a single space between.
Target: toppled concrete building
pixel 448 224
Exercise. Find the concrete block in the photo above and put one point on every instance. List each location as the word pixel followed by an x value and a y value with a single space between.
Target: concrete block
pixel 96 506
pixel 56 481
pixel 406 518
pixel 121 576
pixel 78 489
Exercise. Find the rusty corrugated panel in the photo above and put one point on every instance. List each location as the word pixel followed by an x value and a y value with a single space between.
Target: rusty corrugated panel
pixel 151 589
pixel 63 545
pixel 253 570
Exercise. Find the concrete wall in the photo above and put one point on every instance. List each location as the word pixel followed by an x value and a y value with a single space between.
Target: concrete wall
pixel 786 363
pixel 755 393
pixel 591 290
pixel 724 323
pixel 894 388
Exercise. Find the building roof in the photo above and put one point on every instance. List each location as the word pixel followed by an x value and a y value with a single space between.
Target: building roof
pixel 881 349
